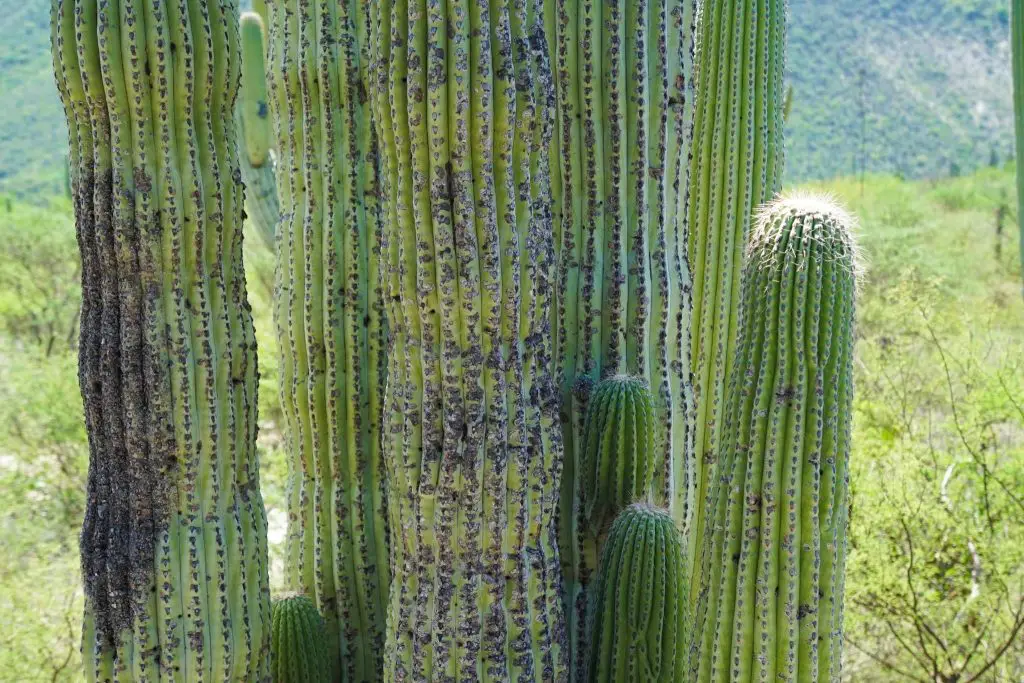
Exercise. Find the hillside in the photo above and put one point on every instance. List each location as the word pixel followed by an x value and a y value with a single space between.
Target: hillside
pixel 933 76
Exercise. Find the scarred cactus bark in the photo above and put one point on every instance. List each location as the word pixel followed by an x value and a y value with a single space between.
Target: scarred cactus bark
pixel 463 99
pixel 623 74
pixel 174 553
pixel 329 317
pixel 638 603
pixel 618 454
pixel 299 644
pixel 770 598
pixel 736 166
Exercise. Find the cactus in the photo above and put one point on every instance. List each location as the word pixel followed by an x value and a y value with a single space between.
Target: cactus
pixel 253 120
pixel 1017 50
pixel 301 652
pixel 173 546
pixel 624 82
pixel 770 601
pixel 736 167
pixel 331 335
pixel 638 604
pixel 618 454
pixel 462 94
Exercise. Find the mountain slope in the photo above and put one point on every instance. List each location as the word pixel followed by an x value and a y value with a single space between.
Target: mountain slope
pixel 933 77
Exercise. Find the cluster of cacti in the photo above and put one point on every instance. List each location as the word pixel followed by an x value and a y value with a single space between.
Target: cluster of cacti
pixel 618 461
pixel 623 73
pixel 299 645
pixel 770 573
pixel 1017 51
pixel 174 554
pixel 462 96
pixel 331 335
pixel 736 166
pixel 252 113
pixel 639 601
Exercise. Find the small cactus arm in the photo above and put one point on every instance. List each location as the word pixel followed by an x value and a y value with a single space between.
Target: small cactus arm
pixel 618 450
pixel 252 114
pixel 463 103
pixel 299 646
pixel 638 603
pixel 330 328
pixel 624 85
pixel 770 598
pixel 173 546
pixel 736 166
pixel 1017 50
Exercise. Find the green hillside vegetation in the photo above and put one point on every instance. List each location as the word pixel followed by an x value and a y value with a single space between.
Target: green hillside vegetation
pixel 937 468
pixel 935 87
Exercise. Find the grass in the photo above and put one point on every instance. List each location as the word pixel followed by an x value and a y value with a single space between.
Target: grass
pixel 938 370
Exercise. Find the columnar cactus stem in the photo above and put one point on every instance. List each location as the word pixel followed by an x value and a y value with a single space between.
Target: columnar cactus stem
pixel 463 99
pixel 329 316
pixel 174 553
pixel 638 607
pixel 301 651
pixel 253 120
pixel 736 166
pixel 623 72
pixel 770 594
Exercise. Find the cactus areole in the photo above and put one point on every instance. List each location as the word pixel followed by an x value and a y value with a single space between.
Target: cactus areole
pixel 173 546
pixel 770 598
pixel 462 96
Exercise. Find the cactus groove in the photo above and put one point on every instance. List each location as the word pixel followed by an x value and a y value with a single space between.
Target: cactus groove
pixel 463 98
pixel 329 317
pixel 299 643
pixel 736 166
pixel 618 454
pixel 174 553
pixel 770 598
pixel 623 72
pixel 639 601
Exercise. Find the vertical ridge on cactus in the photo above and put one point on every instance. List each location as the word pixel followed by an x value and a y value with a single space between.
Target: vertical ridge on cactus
pixel 1017 52
pixel 623 73
pixel 618 454
pixel 770 603
pixel 299 645
pixel 736 166
pixel 174 550
pixel 638 603
pixel 463 103
pixel 329 318
pixel 253 120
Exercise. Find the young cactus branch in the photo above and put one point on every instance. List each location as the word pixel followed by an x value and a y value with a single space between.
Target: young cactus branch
pixel 174 549
pixel 770 592
pixel 298 643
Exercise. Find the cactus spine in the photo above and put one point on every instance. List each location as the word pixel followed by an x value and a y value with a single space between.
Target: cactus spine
pixel 639 601
pixel 462 96
pixel 623 74
pixel 301 652
pixel 173 546
pixel 771 578
pixel 253 120
pixel 328 312
pixel 736 166
pixel 1017 50
pixel 618 454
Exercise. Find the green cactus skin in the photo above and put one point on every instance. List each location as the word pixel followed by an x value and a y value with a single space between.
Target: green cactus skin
pixel 1017 49
pixel 329 318
pixel 618 453
pixel 174 550
pixel 463 100
pixel 770 598
pixel 638 602
pixel 623 73
pixel 736 167
pixel 252 115
pixel 299 645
